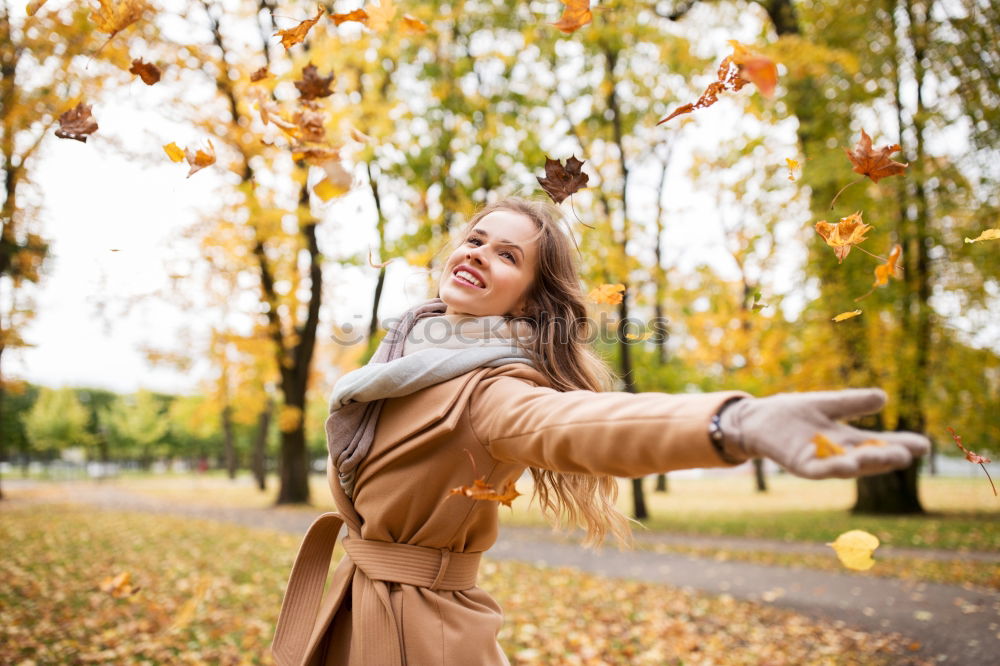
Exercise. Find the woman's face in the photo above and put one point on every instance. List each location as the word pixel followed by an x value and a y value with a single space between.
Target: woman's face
pixel 501 254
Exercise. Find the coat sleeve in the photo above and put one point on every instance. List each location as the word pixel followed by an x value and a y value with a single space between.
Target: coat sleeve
pixel 616 432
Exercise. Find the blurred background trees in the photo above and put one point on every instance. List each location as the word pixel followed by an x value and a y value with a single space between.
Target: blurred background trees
pixel 703 218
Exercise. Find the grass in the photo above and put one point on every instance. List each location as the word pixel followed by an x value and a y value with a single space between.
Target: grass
pixel 184 604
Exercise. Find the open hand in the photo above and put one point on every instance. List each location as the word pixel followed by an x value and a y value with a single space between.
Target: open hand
pixel 781 427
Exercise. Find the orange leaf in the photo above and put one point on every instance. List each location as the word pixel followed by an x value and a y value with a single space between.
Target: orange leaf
pixel 296 35
pixel 847 315
pixel 826 448
pixel 358 15
pixel 792 165
pixel 875 164
pixel 575 15
pixel 884 271
pixel 973 457
pixel 381 15
pixel 480 490
pixel 199 159
pixel 113 17
pixel 844 235
pixel 872 442
pixel 727 78
pixel 759 70
pixel 119 586
pixel 259 75
pixel 414 24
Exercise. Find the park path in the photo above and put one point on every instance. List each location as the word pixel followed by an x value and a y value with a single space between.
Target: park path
pixel 953 624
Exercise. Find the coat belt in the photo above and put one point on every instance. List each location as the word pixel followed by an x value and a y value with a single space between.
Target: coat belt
pixel 377 564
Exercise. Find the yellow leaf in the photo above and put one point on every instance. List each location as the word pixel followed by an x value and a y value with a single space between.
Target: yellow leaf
pixel 607 294
pixel 855 548
pixel 824 447
pixel 847 315
pixel 792 166
pixel 113 17
pixel 289 418
pixel 844 235
pixel 380 16
pixel 872 442
pixel 187 611
pixel 173 152
pixel 338 181
pixel 33 7
pixel 989 234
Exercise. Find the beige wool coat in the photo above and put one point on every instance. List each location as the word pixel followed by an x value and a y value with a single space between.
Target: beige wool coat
pixel 405 591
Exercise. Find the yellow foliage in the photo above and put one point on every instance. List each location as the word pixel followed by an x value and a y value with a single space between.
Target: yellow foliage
pixel 289 418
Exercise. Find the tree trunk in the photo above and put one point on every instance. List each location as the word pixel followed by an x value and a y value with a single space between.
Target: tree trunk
pixel 890 493
pixel 661 483
pixel 758 473
pixel 259 458
pixel 639 511
pixel 294 467
pixel 228 446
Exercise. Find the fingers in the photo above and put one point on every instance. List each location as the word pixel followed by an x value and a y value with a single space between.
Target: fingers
pixel 848 402
pixel 857 461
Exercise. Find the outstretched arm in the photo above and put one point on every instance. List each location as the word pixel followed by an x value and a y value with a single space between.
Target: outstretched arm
pixel 615 432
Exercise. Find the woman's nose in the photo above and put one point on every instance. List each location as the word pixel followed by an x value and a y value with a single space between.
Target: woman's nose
pixel 474 253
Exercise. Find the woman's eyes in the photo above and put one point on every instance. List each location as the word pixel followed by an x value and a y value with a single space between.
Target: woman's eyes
pixel 477 241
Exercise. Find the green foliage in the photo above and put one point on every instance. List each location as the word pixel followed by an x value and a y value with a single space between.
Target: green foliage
pixel 57 421
pixel 136 425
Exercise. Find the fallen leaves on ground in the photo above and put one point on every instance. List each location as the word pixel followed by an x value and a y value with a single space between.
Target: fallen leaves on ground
pixel 854 548
pixel 196 607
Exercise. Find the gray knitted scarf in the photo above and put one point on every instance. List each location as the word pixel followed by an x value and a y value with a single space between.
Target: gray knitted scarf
pixel 413 355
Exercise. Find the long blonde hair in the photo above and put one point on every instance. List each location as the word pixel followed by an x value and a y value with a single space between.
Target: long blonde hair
pixel 557 313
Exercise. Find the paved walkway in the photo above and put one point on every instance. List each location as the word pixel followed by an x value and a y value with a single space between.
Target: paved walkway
pixel 953 624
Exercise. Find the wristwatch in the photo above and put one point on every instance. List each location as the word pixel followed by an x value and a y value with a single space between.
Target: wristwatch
pixel 718 438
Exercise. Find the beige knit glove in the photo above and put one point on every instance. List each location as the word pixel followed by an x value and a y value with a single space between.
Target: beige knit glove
pixel 781 427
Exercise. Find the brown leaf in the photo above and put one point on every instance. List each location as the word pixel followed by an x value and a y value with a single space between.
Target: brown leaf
pixel 884 271
pixel 312 85
pixel 575 15
pixel 562 181
pixel 875 164
pixel 147 71
pixel 296 35
pixel 77 123
pixel 310 122
pixel 259 75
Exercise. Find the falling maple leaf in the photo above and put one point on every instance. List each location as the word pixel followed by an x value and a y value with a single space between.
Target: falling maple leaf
pixel 296 35
pixel 199 159
pixel 576 14
pixel 116 15
pixel 989 234
pixel 727 78
pixel 77 123
pixel 260 75
pixel 312 85
pixel 759 70
pixel 826 448
pixel 792 166
pixel 844 235
pixel 562 181
pixel 359 15
pixel 973 457
pixel 147 71
pixel 854 549
pixel 875 164
pixel 380 16
pixel 884 271
pixel 847 315
pixel 607 294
